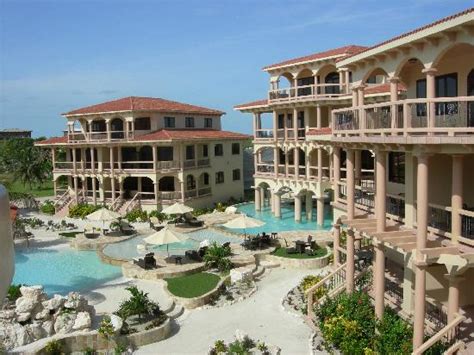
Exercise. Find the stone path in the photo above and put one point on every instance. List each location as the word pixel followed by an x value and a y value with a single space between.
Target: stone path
pixel 261 316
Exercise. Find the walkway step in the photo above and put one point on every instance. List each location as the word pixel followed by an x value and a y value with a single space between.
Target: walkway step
pixel 269 264
pixel 259 271
pixel 176 312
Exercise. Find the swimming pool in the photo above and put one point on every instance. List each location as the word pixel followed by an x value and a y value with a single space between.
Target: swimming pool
pixel 287 220
pixel 62 271
pixel 128 248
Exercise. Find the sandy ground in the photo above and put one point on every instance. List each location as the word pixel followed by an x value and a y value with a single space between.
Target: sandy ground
pixel 261 316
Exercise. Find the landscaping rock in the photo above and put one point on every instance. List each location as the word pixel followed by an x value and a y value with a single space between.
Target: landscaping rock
pixel 116 322
pixel 23 317
pixel 48 327
pixel 36 330
pixel 55 303
pixel 7 314
pixel 64 323
pixel 25 304
pixel 14 335
pixel 32 292
pixel 82 322
pixel 75 301
pixel 241 274
pixel 43 314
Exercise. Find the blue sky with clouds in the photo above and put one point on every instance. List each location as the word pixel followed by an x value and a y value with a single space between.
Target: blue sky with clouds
pixel 56 55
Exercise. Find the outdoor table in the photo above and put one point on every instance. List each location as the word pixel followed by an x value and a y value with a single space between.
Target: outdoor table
pixel 274 235
pixel 178 260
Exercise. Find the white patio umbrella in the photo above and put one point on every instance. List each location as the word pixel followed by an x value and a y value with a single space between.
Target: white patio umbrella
pixel 177 208
pixel 204 243
pixel 103 215
pixel 244 222
pixel 166 236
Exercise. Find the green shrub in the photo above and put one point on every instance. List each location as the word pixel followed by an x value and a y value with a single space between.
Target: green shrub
pixel 89 351
pixel 53 347
pixel 138 304
pixel 106 329
pixel 395 335
pixel 81 210
pixel 136 215
pixel 200 211
pixel 311 280
pixel 14 292
pixel 48 207
pixel 220 347
pixel 217 257
pixel 160 215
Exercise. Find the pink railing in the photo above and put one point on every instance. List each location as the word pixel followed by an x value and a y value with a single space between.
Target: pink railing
pixel 306 92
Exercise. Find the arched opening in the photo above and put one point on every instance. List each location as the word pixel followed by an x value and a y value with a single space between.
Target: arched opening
pixel 296 167
pixel 98 125
pixel 190 182
pixel 130 187
pixel 285 81
pixel 116 127
pixel 147 188
pixel 332 83
pixel 166 183
pixel 376 76
pixel 411 76
pixel 305 80
pixel 265 158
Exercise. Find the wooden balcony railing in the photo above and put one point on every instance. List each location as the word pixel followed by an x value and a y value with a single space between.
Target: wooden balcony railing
pixel 443 116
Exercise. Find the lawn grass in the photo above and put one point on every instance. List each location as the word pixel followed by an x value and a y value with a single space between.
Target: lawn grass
pixel 69 234
pixel 319 252
pixel 38 191
pixel 192 285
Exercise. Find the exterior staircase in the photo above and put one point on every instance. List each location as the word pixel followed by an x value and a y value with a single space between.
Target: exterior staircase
pixel 128 206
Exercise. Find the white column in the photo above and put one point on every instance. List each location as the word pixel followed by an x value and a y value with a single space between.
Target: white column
pixel 430 94
pixel 296 161
pixel 410 197
pixel 381 190
pixel 336 171
pixel 74 161
pixel 318 116
pixel 277 201
pixel 320 211
pixel 155 158
pixel 258 206
pixel 297 208
pixel 350 184
pixel 94 191
pixel 320 164
pixel 92 150
pixel 456 197
pixel 309 206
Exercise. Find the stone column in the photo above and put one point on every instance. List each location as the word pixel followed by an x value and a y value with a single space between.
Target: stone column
pixel 257 199
pixel 109 129
pixel 74 161
pixel 76 192
pixel 456 198
pixel 298 208
pixel 272 201
pixel 379 279
pixel 155 190
pixel 155 158
pixel 112 186
pixel 112 161
pixel 347 81
pixel 421 233
pixel 309 206
pixel 320 211
pixel 94 191
pixel 408 282
pixel 355 97
pixel 262 198
pixel 318 116
pixel 336 243
pixel 336 171
pixel 53 157
pixel 92 150
pixel 320 164
pixel 55 187
pixel 358 165
pixel 275 126
pixel 276 160
pixel 119 157
pixel 295 123
pixel 254 121
pixel 350 184
pixel 453 297
pixel 350 268
pixel 296 162
pixel 430 94
pixel 277 201
pixel 409 190
pixel 381 190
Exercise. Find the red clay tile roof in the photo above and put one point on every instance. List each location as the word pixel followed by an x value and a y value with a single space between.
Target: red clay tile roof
pixel 382 88
pixel 190 134
pixel 346 50
pixel 52 140
pixel 256 103
pixel 321 131
pixel 134 103
pixel 445 19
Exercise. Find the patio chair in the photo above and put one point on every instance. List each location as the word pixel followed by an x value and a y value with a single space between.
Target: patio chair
pixel 154 222
pixel 126 228
pixel 192 221
pixel 289 250
pixel 89 232
pixel 150 261
pixel 226 245
pixel 193 255
pixel 202 251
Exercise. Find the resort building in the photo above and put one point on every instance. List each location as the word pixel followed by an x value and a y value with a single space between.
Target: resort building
pixel 148 152
pixel 389 130
pixel 10 133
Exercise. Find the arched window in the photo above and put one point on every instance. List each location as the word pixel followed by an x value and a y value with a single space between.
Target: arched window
pixel 190 182
pixel 332 78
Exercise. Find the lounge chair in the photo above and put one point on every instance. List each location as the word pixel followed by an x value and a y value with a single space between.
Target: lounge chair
pixel 289 250
pixel 89 232
pixel 192 221
pixel 126 228
pixel 147 263
pixel 155 224
pixel 226 245
pixel 193 255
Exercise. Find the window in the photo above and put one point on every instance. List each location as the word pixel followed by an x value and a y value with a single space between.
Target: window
pixel 305 82
pixel 142 124
pixel 219 177
pixel 190 182
pixel 235 148
pixel 189 121
pixel 208 122
pixel 218 150
pixel 189 152
pixel 205 151
pixel 281 121
pixel 169 122
pixel 236 174
pixel 421 93
pixel 206 179
pixel 332 78
pixel 165 153
pixel 396 167
pixel 98 126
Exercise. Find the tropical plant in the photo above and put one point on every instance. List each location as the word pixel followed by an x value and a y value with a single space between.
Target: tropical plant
pixel 394 335
pixel 47 207
pixel 136 215
pixel 106 329
pixel 160 215
pixel 311 280
pixel 14 292
pixel 138 304
pixel 81 210
pixel 53 347
pixel 217 257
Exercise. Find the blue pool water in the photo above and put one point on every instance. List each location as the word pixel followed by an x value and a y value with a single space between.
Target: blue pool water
pixel 128 249
pixel 287 220
pixel 62 271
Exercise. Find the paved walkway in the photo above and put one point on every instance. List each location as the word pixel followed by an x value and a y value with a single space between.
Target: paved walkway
pixel 261 316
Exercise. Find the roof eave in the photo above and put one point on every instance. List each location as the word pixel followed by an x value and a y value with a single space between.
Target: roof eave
pixel 285 66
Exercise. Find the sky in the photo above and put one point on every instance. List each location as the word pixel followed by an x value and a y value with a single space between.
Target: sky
pixel 57 55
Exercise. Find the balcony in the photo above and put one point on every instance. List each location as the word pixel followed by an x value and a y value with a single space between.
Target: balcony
pixel 197 163
pixel 266 135
pixel 102 136
pixel 306 93
pixel 445 116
